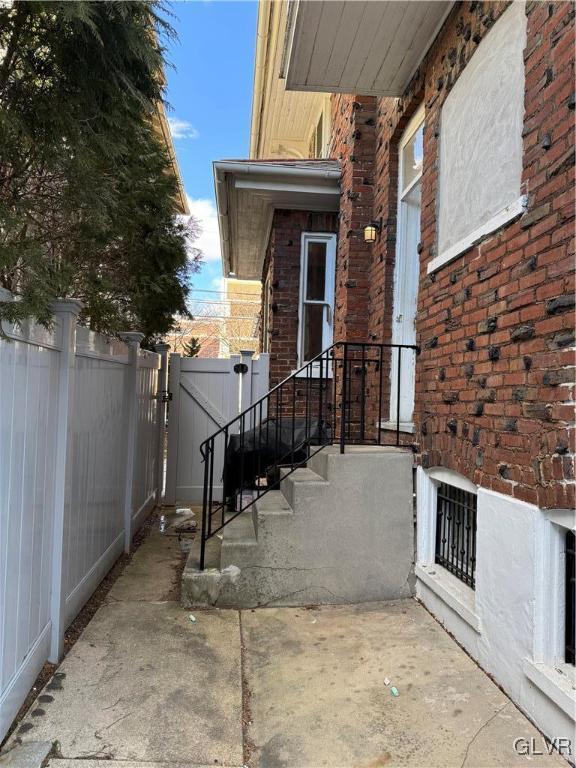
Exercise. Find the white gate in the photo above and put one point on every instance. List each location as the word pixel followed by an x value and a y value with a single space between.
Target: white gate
pixel 206 394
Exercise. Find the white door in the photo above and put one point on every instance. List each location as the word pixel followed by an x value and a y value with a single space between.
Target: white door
pixel 206 394
pixel 406 270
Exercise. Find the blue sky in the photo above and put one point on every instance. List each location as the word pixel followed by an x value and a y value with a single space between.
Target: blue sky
pixel 210 94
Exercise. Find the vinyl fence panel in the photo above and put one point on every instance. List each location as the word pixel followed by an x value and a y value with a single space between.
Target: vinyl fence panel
pixel 72 402
pixel 147 473
pixel 94 525
pixel 28 385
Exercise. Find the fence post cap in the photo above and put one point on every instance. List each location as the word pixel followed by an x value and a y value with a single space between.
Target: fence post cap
pixel 71 306
pixel 161 347
pixel 132 337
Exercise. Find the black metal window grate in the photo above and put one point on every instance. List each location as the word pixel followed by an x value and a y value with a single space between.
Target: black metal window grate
pixel 456 532
pixel 570 597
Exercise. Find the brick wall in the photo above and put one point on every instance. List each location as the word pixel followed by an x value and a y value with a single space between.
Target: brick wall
pixel 493 389
pixel 353 143
pixel 283 262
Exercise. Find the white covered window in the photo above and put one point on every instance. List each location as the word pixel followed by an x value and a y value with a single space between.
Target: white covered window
pixel 480 162
pixel 317 265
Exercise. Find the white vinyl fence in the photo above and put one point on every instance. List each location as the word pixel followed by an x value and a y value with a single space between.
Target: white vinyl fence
pixel 80 469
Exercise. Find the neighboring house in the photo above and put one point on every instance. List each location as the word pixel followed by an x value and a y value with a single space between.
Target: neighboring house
pixel 241 324
pixel 411 181
pixel 224 325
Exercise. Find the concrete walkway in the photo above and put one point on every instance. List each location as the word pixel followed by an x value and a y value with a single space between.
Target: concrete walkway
pixel 145 686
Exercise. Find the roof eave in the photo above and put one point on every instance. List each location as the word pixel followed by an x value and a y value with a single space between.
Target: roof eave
pixel 225 175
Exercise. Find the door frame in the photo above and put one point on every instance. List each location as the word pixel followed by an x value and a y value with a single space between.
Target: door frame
pixel 408 365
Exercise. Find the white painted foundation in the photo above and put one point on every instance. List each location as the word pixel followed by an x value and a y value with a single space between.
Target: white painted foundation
pixel 512 623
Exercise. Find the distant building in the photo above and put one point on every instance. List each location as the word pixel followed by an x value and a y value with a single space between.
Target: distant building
pixel 223 324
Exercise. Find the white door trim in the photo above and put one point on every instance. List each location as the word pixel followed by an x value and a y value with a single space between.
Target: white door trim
pixel 406 270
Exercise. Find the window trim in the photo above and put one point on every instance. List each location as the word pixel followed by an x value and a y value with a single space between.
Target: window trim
pixel 506 40
pixel 322 115
pixel 503 217
pixel 549 617
pixel 445 586
pixel 330 239
pixel 417 119
pixel 546 668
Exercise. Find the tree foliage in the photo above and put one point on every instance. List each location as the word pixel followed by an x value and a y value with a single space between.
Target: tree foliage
pixel 192 347
pixel 87 196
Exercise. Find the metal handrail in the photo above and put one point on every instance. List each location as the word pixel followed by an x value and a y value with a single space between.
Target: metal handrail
pixel 333 408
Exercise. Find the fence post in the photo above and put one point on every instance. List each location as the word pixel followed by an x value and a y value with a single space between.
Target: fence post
pixel 261 382
pixel 132 339
pixel 245 384
pixel 173 418
pixel 66 311
pixel 162 400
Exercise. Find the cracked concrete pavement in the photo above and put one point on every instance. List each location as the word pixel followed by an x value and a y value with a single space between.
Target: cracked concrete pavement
pixel 146 687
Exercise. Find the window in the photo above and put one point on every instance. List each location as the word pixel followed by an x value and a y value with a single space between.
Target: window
pixel 317 146
pixel 316 295
pixel 456 532
pixel 570 599
pixel 319 139
pixel 480 160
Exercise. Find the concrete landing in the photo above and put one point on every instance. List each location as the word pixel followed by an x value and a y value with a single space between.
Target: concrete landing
pixel 56 763
pixel 146 687
pixel 319 696
pixel 144 683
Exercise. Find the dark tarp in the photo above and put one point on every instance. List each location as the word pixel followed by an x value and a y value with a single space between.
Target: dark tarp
pixel 274 441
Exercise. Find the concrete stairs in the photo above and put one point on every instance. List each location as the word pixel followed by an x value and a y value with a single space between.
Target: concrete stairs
pixel 340 530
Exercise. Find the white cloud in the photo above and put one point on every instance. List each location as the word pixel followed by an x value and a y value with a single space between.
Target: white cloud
pixel 182 129
pixel 204 211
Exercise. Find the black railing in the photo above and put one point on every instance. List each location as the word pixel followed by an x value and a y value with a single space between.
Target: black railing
pixel 339 397
pixel 456 532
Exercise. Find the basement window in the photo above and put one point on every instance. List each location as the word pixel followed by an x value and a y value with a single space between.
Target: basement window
pixel 456 532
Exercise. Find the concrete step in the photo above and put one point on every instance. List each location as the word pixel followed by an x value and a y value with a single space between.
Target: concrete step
pixel 340 530
pixel 240 531
pixel 302 486
pixel 329 462
pixel 239 540
pixel 272 503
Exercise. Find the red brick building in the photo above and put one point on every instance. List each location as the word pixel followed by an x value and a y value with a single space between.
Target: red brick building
pixel 449 128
